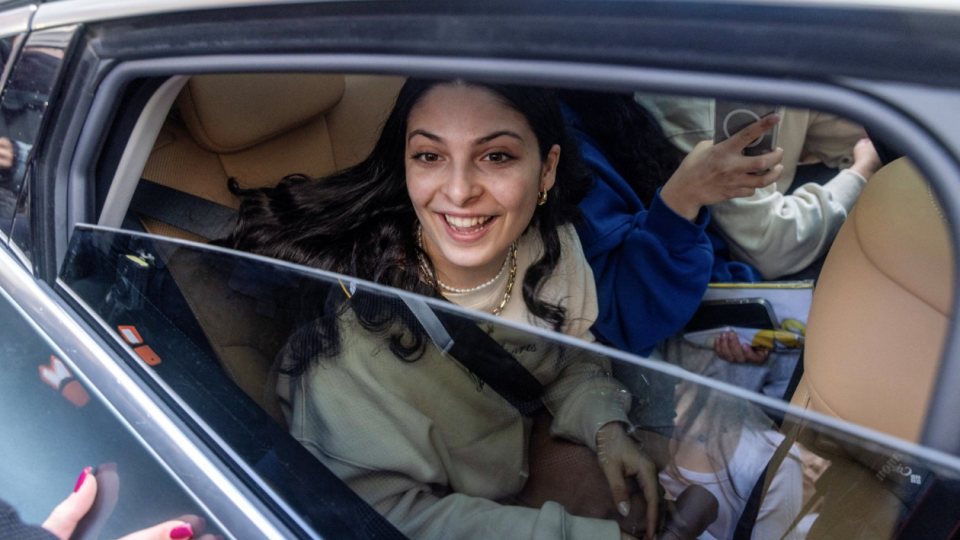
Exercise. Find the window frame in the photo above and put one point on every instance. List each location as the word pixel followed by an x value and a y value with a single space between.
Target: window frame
pixel 889 109
pixel 932 155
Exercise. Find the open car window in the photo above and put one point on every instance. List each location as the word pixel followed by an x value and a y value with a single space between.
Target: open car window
pixel 363 411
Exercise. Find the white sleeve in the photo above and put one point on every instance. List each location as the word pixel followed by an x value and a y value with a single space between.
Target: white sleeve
pixel 780 234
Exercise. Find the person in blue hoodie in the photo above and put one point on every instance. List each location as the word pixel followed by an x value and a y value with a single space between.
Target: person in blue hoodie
pixel 645 219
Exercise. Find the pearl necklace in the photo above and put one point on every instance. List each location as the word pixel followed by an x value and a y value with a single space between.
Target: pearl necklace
pixel 511 258
pixel 446 287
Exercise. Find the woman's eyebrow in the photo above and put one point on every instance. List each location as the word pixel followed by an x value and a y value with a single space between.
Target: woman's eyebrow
pixel 423 133
pixel 496 134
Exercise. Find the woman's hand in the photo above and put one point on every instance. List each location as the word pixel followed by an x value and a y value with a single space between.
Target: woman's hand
pixel 65 517
pixel 621 460
pixel 716 172
pixel 866 161
pixel 728 347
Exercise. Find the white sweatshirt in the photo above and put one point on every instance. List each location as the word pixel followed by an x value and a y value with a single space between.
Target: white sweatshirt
pixel 778 234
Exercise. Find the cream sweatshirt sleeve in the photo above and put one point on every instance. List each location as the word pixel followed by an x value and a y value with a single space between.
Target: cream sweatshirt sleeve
pixel 583 395
pixel 780 234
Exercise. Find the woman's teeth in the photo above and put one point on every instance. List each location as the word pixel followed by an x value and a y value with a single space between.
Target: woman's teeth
pixel 464 225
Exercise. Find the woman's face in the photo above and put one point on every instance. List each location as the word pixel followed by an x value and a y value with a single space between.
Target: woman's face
pixel 473 173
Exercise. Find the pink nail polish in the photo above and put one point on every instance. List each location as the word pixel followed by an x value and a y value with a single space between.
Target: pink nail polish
pixel 181 531
pixel 83 476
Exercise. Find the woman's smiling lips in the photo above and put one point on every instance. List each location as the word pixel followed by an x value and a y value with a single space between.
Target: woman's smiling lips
pixel 466 228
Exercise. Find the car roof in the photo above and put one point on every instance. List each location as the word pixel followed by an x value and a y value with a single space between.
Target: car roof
pixel 80 11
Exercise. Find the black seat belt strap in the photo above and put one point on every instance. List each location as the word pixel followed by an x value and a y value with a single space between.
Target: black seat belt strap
pixel 182 210
pixel 475 350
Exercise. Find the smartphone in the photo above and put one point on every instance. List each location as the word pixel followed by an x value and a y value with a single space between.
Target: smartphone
pixel 740 312
pixel 732 116
pixel 108 491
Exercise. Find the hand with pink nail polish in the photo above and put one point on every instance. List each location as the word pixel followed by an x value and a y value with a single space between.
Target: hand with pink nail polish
pixel 65 517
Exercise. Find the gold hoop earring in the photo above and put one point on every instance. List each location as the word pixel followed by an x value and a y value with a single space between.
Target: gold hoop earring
pixel 542 197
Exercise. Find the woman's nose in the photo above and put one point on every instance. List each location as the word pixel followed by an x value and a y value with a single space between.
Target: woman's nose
pixel 462 185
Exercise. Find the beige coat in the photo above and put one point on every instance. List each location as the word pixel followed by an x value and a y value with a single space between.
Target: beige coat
pixel 432 447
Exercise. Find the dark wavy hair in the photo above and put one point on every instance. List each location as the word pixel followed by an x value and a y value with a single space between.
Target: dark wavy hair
pixel 360 222
pixel 631 138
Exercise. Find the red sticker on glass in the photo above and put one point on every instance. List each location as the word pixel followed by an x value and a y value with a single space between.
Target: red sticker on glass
pixel 148 355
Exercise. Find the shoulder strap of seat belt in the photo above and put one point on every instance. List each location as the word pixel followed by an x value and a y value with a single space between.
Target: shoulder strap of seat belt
pixel 748 518
pixel 182 210
pixel 474 349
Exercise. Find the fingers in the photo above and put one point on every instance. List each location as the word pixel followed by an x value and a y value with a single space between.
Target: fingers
pixel 6 153
pixel 763 162
pixel 720 347
pixel 169 530
pixel 727 346
pixel 613 471
pixel 64 518
pixel 752 132
pixel 650 484
pixel 755 355
pixel 770 176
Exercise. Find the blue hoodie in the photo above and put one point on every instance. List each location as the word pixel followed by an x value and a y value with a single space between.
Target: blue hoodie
pixel 651 266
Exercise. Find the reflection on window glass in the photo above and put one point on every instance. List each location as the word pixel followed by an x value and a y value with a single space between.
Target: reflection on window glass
pixel 347 398
pixel 24 102
pixel 54 426
pixel 21 234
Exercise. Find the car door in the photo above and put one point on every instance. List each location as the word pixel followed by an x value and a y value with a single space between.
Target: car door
pixel 115 286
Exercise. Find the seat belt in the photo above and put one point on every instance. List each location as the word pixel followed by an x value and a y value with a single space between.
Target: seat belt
pixel 182 210
pixel 748 518
pixel 474 349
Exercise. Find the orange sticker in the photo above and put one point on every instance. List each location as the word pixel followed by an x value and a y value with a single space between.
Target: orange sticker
pixel 75 393
pixel 55 373
pixel 148 355
pixel 130 335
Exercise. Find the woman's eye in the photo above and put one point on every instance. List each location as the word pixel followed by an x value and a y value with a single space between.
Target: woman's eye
pixel 498 157
pixel 426 157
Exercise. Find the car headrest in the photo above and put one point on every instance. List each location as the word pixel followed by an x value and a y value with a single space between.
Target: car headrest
pixel 230 113
pixel 881 308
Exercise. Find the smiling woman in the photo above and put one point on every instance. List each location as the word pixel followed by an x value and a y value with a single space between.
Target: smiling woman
pixel 475 177
pixel 469 189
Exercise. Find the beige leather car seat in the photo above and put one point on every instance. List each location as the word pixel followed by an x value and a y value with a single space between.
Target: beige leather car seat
pixel 259 128
pixel 882 305
pixel 256 128
pixel 876 332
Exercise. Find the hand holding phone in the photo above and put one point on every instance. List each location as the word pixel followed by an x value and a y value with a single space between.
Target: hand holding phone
pixel 714 172
pixel 732 117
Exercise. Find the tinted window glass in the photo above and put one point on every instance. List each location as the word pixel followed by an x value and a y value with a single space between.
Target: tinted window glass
pixel 54 425
pixel 445 445
pixel 25 100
